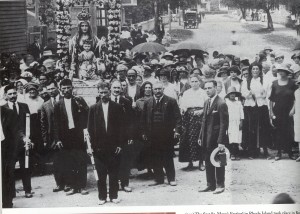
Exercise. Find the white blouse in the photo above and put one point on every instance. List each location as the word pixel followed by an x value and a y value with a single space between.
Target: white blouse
pixel 256 89
pixel 192 98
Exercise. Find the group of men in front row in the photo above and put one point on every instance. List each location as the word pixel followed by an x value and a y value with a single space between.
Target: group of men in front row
pixel 111 128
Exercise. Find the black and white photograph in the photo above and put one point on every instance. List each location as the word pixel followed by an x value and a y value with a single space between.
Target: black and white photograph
pixel 113 104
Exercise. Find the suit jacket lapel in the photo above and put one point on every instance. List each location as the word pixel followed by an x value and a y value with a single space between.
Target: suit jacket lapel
pixel 164 103
pixel 213 105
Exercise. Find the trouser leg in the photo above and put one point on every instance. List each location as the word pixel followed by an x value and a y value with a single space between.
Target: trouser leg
pixel 169 165
pixel 210 172
pixel 25 173
pixel 102 171
pixel 113 171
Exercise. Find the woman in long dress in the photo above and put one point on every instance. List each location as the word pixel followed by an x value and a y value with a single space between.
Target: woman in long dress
pixel 297 116
pixel 144 159
pixel 192 104
pixel 256 127
pixel 281 105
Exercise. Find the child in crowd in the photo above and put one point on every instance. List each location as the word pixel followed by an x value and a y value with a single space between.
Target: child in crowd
pixel 236 117
pixel 87 61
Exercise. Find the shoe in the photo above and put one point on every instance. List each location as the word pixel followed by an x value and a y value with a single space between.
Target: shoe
pixel 173 183
pixel 83 192
pixel 127 189
pixel 232 158
pixel 201 167
pixel 72 192
pixel 101 202
pixel 189 167
pixel 67 189
pixel 58 188
pixel 155 184
pixel 277 158
pixel 207 189
pixel 219 190
pixel 237 158
pixel 298 159
pixel 115 200
pixel 28 195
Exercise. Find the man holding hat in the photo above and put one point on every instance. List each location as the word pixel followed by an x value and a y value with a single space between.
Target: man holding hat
pixel 213 136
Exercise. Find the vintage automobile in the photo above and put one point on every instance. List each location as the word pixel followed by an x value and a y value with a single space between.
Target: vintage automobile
pixel 190 19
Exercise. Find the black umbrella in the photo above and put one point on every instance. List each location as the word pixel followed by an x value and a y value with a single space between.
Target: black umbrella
pixel 191 48
pixel 151 47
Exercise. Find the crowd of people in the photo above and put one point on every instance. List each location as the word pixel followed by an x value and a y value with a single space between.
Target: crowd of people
pixel 151 103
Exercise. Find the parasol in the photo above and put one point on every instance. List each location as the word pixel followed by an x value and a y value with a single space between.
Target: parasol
pixel 191 48
pixel 151 47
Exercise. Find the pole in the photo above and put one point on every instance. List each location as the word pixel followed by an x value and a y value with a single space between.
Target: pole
pixel 90 151
pixel 27 141
pixel 170 17
pixel 93 12
pixel 155 18
pixel 179 16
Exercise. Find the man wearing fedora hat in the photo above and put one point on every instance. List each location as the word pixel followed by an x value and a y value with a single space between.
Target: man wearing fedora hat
pixel 213 135
pixel 35 48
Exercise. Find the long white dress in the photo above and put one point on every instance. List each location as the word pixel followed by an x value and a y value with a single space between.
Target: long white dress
pixel 236 114
pixel 297 115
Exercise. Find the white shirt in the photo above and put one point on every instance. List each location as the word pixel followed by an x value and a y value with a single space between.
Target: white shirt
pixel 105 113
pixel 193 98
pixel 2 136
pixel 235 110
pixel 131 91
pixel 11 105
pixel 68 105
pixel 256 89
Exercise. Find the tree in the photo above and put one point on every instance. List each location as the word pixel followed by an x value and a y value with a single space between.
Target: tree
pixel 267 6
pixel 243 5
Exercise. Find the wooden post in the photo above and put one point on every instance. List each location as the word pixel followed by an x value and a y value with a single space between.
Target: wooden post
pixel 93 12
pixel 179 16
pixel 155 18
pixel 170 17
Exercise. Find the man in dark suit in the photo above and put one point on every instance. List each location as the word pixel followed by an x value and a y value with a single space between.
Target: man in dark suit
pixel 70 118
pixel 20 110
pixel 10 137
pixel 35 48
pixel 160 118
pixel 105 126
pixel 133 89
pixel 213 135
pixel 47 129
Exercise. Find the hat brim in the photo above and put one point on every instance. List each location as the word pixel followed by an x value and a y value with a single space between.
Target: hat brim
pixel 213 155
pixel 237 94
pixel 222 72
pixel 163 57
pixel 285 70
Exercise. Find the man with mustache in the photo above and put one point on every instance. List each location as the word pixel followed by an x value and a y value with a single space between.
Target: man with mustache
pixel 161 123
pixel 70 118
pixel 20 110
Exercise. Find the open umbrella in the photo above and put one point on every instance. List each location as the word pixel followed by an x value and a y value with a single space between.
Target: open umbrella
pixel 151 47
pixel 191 48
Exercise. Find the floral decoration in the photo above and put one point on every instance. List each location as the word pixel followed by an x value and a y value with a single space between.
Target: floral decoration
pixel 46 12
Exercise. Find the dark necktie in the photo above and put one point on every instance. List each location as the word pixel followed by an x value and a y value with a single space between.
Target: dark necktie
pixel 116 99
pixel 208 105
pixel 15 108
pixel 54 101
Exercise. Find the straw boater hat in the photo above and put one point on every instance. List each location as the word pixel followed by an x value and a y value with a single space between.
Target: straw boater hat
pixel 214 157
pixel 232 90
